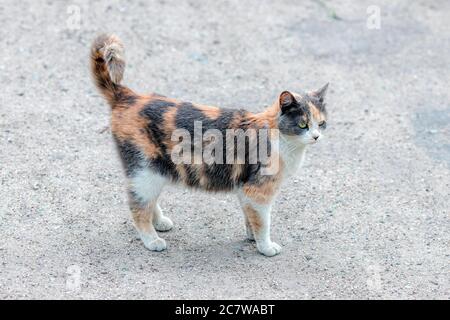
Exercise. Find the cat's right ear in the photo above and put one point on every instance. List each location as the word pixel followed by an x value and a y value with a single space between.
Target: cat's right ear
pixel 287 101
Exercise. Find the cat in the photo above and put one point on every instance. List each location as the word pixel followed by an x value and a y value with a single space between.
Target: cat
pixel 143 127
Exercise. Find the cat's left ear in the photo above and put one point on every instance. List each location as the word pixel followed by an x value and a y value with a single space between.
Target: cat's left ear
pixel 321 93
pixel 287 101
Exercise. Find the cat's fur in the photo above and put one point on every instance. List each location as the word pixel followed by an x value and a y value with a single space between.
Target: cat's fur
pixel 142 126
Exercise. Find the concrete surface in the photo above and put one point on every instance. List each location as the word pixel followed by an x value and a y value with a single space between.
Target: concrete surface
pixel 367 217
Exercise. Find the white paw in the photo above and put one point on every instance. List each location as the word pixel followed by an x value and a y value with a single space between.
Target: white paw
pixel 158 244
pixel 163 224
pixel 269 249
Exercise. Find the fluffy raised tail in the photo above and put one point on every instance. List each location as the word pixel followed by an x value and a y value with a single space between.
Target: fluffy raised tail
pixel 108 65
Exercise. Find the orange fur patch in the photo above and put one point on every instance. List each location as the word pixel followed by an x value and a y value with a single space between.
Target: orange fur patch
pixel 127 124
pixel 268 118
pixel 170 127
pixel 209 111
pixel 253 218
pixel 181 171
pixel 315 112
pixel 143 219
pixel 237 171
pixel 261 193
pixel 264 191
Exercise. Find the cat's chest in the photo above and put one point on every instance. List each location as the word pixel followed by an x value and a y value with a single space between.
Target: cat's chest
pixel 292 157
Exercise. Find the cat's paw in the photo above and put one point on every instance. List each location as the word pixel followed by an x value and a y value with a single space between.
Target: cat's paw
pixel 269 249
pixel 163 224
pixel 158 244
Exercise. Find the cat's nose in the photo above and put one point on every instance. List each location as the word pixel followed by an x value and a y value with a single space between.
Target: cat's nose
pixel 316 137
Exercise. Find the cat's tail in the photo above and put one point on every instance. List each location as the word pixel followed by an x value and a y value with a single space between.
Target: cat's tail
pixel 108 65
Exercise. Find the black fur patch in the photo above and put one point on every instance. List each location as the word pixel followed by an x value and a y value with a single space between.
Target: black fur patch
pixel 165 166
pixel 130 156
pixel 125 96
pixel 154 111
pixel 192 179
pixel 187 115
pixel 219 177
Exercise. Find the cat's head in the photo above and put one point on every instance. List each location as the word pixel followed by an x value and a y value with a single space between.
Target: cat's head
pixel 303 116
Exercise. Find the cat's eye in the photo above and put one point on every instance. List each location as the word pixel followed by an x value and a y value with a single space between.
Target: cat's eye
pixel 302 125
pixel 322 123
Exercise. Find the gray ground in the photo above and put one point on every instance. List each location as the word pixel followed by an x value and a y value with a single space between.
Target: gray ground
pixel 366 217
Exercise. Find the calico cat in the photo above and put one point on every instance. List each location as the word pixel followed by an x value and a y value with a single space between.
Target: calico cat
pixel 144 128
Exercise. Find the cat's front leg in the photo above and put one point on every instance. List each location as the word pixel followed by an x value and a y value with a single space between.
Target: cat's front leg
pixel 258 218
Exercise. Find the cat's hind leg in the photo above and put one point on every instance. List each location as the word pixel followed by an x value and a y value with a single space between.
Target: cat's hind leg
pixel 142 218
pixel 145 187
pixel 160 221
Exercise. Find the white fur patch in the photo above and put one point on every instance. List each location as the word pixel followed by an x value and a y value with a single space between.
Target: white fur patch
pixel 147 184
pixel 292 154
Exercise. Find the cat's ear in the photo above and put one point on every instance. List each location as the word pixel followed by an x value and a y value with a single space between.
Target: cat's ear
pixel 287 101
pixel 321 93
